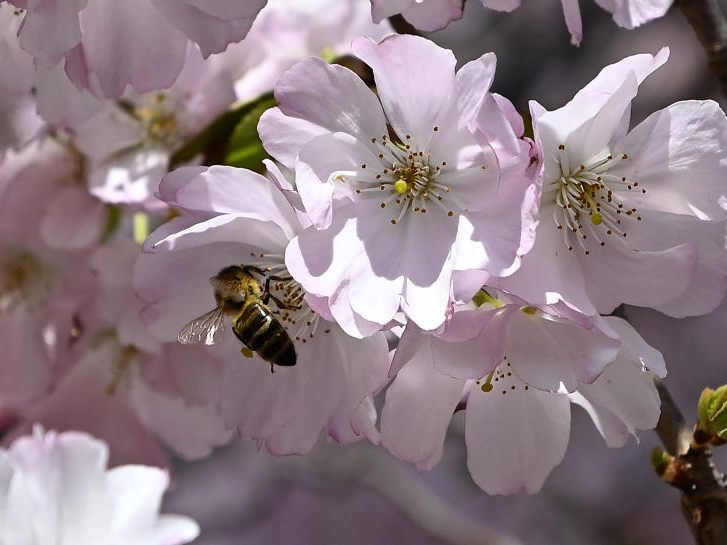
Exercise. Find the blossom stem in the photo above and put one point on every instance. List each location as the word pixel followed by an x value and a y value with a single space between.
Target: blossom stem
pixel 703 487
pixel 709 22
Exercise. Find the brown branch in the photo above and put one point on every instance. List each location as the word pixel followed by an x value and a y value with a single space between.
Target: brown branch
pixel 708 20
pixel 703 487
pixel 402 26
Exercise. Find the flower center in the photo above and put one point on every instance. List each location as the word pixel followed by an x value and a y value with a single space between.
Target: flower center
pixel 591 202
pixel 23 279
pixel 157 121
pixel 407 179
pixel 502 380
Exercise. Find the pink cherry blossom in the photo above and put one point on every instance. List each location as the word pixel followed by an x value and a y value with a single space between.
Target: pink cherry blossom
pixel 107 45
pixel 629 216
pixel 564 350
pixel 626 13
pixel 56 488
pixel 289 31
pixel 395 215
pixel 67 217
pixel 128 144
pixel 230 217
pixel 515 433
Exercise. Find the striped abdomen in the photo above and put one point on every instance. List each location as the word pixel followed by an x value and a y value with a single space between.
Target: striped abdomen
pixel 261 332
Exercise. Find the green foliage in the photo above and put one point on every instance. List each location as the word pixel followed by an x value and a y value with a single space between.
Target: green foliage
pixel 113 222
pixel 244 149
pixel 712 409
pixel 231 139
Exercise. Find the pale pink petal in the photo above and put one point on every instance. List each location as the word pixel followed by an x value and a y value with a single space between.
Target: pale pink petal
pixel 81 402
pixel 26 371
pixel 635 349
pixel 677 155
pixel 632 13
pixel 324 167
pixel 481 347
pixel 545 275
pixel 330 96
pixel 73 219
pixel 572 13
pixel 431 15
pixel 132 43
pixel 515 436
pixel 624 399
pixel 557 352
pixel 381 9
pixel 415 81
pixel 284 136
pixel 228 190
pixel 51 28
pixel 212 25
pixel 60 102
pixel 502 5
pixel 419 405
pixel 638 278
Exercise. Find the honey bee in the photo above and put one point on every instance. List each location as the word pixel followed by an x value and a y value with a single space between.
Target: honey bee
pixel 244 301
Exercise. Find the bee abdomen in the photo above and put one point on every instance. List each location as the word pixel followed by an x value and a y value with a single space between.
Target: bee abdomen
pixel 261 331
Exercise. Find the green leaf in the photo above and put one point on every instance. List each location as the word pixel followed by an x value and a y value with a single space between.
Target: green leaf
pixel 212 142
pixel 712 410
pixel 244 149
pixel 113 222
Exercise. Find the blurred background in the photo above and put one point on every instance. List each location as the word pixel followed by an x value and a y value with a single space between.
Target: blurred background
pixel 360 495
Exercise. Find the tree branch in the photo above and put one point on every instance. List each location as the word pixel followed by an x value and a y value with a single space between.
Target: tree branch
pixel 703 487
pixel 708 20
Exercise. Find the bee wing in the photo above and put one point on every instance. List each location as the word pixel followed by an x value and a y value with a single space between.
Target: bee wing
pixel 206 329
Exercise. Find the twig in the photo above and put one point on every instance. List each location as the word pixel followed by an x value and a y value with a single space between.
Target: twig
pixel 402 26
pixel 703 487
pixel 370 466
pixel 708 20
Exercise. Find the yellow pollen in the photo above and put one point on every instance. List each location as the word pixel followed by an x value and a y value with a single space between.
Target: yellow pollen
pixel 401 187
pixel 597 218
pixel 487 386
pixel 529 310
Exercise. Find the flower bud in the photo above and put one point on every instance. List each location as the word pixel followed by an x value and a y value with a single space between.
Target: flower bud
pixel 712 410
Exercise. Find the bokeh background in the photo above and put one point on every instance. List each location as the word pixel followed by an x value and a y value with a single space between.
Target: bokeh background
pixel 360 495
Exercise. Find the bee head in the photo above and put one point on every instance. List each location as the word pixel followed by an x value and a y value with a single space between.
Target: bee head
pixel 228 283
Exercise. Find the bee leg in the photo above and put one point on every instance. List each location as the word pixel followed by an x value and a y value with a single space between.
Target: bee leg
pixel 272 368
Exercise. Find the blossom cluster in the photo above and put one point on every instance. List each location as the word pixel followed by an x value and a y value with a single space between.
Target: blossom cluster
pixel 413 240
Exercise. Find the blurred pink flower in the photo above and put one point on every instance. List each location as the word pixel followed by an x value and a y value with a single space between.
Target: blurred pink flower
pixel 56 488
pixel 626 13
pixel 236 217
pixel 400 197
pixel 112 379
pixel 107 45
pixel 517 433
pixel 128 143
pixel 629 217
pixel 289 31
pixel 564 348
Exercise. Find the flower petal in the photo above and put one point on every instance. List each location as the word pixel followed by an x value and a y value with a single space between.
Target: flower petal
pixel 515 437
pixel 415 81
pixel 419 405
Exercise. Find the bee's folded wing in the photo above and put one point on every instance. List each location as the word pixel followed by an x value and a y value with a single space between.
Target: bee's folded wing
pixel 207 329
